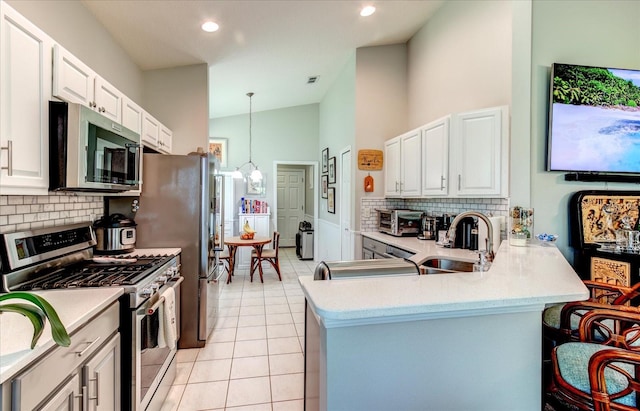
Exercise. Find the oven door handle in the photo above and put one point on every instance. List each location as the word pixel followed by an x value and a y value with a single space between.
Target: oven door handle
pixel 151 310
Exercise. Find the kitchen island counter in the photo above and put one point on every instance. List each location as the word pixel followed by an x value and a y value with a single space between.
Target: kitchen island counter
pixel 438 341
pixel 75 308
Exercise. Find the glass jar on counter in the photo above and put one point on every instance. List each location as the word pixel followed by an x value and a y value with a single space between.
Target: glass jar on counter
pixel 520 226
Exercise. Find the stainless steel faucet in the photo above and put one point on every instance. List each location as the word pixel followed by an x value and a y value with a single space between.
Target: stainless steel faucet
pixel 451 235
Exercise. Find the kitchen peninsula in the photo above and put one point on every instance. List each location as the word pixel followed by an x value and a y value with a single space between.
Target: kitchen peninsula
pixel 440 341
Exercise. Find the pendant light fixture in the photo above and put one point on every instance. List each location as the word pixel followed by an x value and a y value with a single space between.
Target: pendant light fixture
pixel 254 174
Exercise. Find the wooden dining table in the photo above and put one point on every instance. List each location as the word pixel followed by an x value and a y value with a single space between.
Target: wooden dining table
pixel 233 243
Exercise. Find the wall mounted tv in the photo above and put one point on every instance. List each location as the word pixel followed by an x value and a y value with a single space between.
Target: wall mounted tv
pixel 594 122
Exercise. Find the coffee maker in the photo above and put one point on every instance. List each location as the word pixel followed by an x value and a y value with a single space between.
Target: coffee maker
pixel 428 228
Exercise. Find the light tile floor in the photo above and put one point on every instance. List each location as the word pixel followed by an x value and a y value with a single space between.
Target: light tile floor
pixel 253 359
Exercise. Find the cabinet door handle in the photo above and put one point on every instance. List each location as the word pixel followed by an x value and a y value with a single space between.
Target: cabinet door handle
pixel 441 182
pixel 97 380
pixel 85 397
pixel 396 186
pixel 91 344
pixel 459 181
pixel 9 149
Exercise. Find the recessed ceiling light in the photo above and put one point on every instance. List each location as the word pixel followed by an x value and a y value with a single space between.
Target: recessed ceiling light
pixel 210 26
pixel 367 11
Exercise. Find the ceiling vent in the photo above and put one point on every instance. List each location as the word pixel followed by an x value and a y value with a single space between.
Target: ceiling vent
pixel 312 79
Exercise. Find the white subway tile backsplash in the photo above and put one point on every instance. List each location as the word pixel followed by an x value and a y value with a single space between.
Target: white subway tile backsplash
pixel 19 213
pixel 433 206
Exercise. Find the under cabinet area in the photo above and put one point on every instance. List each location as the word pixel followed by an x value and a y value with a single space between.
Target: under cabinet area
pixel 25 73
pixel 83 376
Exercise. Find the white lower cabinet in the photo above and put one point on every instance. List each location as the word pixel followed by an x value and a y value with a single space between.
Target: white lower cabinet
pixel 25 75
pixel 83 376
pixel 258 222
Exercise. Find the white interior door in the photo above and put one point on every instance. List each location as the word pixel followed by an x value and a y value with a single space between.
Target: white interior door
pixel 290 205
pixel 345 205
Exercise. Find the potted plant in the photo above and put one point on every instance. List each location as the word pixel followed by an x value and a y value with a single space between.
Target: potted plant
pixel 37 313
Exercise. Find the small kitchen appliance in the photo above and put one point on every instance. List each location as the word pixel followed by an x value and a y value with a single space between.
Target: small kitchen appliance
pixel 115 234
pixel 399 222
pixel 89 152
pixel 304 241
pixel 428 228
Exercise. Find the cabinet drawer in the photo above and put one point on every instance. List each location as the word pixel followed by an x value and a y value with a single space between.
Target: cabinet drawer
pixel 373 245
pixel 42 378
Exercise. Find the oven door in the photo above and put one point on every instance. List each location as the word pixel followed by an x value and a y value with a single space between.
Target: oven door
pixel 156 346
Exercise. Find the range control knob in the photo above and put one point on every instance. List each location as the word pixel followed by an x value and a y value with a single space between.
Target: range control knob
pixel 146 292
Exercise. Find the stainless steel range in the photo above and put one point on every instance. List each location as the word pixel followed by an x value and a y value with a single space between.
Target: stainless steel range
pixel 62 258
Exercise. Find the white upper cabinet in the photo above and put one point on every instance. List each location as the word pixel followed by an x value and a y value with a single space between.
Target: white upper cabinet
pixel 435 157
pixel 165 140
pixel 108 100
pixel 150 130
pixel 392 167
pixel 132 115
pixel 403 165
pixel 75 82
pixel 25 75
pixel 479 153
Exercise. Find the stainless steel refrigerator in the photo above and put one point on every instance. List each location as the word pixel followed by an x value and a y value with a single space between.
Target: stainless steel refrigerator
pixel 180 206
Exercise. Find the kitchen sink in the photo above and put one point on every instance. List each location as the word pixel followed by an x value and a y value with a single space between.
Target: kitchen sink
pixel 445 265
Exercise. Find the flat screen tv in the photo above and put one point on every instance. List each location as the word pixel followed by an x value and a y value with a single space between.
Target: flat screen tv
pixel 594 120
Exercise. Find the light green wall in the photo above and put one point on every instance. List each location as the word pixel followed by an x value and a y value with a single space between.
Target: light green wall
pixel 337 126
pixel 288 134
pixel 381 111
pixel 597 33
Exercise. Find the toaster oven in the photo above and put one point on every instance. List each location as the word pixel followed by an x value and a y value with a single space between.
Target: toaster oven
pixel 399 222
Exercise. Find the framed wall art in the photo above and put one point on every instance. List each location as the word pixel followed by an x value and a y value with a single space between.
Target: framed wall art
pixel 331 200
pixel 218 147
pixel 325 185
pixel 325 160
pixel 332 170
pixel 257 188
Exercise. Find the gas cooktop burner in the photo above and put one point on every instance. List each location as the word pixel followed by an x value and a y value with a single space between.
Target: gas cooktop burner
pixel 98 274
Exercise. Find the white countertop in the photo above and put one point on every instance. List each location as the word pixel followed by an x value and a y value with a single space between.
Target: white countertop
pixel 520 278
pixel 74 307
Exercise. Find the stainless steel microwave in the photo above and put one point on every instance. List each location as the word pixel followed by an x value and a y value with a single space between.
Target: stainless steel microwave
pixel 89 152
pixel 399 222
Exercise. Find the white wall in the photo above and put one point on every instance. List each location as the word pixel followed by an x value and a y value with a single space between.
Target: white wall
pixel 179 99
pixel 600 33
pixel 460 60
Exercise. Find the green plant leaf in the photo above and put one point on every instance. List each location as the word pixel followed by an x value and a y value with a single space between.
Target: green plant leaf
pixel 33 313
pixel 58 331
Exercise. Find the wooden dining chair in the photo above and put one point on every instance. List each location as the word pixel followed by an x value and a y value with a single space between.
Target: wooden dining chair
pixel 604 375
pixel 225 260
pixel 269 255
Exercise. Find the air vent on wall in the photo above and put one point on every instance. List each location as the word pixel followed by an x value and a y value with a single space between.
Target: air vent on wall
pixel 312 79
